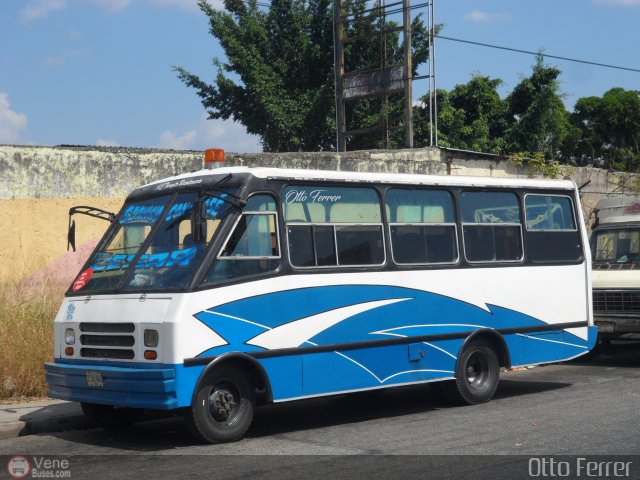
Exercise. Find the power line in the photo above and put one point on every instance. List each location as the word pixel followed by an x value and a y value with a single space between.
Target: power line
pixel 517 50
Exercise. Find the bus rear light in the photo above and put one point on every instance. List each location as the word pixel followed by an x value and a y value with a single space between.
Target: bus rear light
pixel 68 351
pixel 150 354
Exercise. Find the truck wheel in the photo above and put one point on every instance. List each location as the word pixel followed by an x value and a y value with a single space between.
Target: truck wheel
pixel 111 417
pixel 223 406
pixel 477 374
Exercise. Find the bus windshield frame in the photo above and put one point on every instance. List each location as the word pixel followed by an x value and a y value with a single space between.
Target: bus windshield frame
pixel 616 245
pixel 156 244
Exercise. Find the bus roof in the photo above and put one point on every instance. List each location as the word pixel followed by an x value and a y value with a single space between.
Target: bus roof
pixel 368 177
pixel 620 208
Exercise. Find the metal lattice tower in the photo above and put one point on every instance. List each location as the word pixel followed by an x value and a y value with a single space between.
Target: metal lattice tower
pixel 381 77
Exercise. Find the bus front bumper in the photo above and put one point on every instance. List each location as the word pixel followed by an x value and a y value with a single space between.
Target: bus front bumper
pixel 615 326
pixel 111 385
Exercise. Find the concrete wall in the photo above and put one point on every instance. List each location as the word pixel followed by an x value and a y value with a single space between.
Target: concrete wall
pixel 426 161
pixel 433 161
pixel 61 172
pixel 39 185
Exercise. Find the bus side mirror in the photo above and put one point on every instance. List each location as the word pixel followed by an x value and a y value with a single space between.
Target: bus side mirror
pixel 90 211
pixel 71 235
pixel 199 221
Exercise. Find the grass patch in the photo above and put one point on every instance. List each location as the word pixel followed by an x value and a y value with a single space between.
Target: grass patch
pixel 26 337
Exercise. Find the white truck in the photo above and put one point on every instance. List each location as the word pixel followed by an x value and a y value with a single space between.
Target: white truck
pixel 615 245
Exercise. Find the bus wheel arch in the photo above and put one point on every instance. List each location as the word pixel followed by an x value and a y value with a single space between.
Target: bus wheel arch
pixel 244 363
pixel 493 339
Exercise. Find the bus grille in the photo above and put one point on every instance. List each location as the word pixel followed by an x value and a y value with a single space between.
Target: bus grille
pixel 110 353
pixel 107 340
pixel 616 301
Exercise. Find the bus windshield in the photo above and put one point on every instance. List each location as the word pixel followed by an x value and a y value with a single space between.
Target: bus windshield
pixel 620 245
pixel 166 229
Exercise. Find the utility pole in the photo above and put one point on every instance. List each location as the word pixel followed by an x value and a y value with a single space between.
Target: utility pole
pixel 338 54
pixel 408 72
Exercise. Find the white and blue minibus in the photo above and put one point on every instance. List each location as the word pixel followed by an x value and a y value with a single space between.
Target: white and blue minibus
pixel 215 291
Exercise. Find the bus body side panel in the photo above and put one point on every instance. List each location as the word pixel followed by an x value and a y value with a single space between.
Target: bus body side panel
pixel 549 346
pixel 285 376
pixel 345 310
pixel 374 368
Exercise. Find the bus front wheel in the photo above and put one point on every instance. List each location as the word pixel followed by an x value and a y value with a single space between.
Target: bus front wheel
pixel 477 374
pixel 223 407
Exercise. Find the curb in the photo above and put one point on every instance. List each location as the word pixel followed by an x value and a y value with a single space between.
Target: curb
pixel 21 428
pixel 12 429
pixel 18 420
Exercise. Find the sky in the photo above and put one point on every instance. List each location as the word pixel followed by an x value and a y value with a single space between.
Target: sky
pixel 99 72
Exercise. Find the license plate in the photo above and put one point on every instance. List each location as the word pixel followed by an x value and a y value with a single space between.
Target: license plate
pixel 94 379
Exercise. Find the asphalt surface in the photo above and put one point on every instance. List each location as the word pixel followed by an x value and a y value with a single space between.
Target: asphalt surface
pixel 587 408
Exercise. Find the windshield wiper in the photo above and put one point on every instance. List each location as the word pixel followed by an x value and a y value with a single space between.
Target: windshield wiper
pixel 235 200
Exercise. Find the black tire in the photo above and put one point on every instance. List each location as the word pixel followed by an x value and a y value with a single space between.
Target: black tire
pixel 477 374
pixel 111 417
pixel 222 408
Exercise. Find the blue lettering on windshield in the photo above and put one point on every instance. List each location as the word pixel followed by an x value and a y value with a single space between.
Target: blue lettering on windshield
pixel 181 258
pixel 106 261
pixel 141 213
pixel 214 204
pixel 118 261
pixel 155 260
pixel 179 209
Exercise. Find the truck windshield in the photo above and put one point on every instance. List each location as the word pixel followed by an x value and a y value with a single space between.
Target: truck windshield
pixel 620 245
pixel 173 250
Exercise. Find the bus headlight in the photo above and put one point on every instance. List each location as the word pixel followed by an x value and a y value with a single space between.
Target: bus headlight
pixel 70 336
pixel 151 338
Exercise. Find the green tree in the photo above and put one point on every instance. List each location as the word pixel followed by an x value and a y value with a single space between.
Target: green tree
pixel 449 120
pixel 609 129
pixel 470 117
pixel 278 79
pixel 537 120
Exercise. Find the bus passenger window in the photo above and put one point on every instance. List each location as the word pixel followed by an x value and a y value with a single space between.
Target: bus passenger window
pixel 360 245
pixel 324 245
pixel 551 233
pixel 491 227
pixel 253 247
pixel 422 226
pixel 301 245
pixel 333 226
pixel 253 237
pixel 311 246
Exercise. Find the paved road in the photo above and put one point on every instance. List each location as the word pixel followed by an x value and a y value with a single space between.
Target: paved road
pixel 585 408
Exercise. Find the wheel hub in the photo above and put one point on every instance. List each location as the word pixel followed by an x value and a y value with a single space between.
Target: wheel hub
pixel 476 370
pixel 222 403
pixel 472 373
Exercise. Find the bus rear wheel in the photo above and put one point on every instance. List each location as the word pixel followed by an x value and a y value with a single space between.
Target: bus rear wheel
pixel 223 407
pixel 477 374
